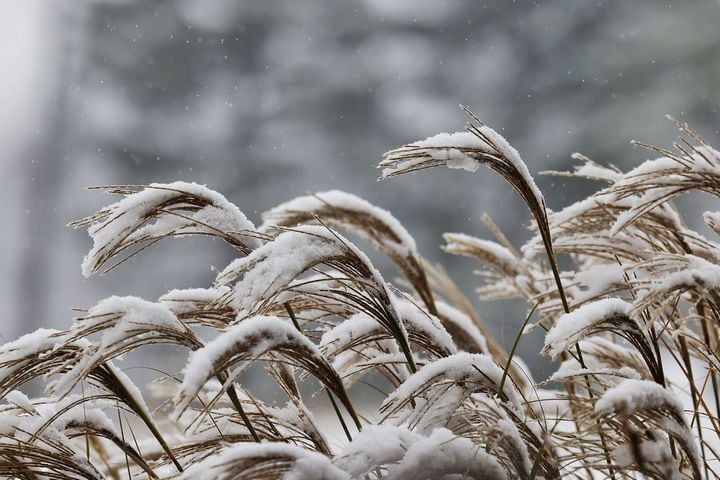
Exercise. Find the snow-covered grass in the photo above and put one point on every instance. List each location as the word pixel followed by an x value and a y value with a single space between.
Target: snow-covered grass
pixel 634 326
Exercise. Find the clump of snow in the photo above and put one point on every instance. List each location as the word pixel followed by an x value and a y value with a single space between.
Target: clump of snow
pixel 493 253
pixel 407 454
pixel 271 267
pixel 508 153
pixel 401 241
pixel 457 160
pixel 125 322
pixel 652 455
pixel 303 464
pixel 443 148
pixel 572 327
pixel 449 381
pixel 633 396
pixel 247 340
pixel 458 321
pixel 126 221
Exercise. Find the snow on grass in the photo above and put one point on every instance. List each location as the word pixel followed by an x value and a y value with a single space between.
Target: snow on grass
pixel 655 456
pixel 248 340
pixel 290 462
pixel 633 396
pixel 350 208
pixel 124 323
pixel 573 327
pixel 128 219
pixel 509 154
pixel 271 267
pixel 408 454
pixel 443 148
pixel 27 348
pixel 487 251
pixel 428 326
pixel 467 373
pixel 697 272
pixel 462 324
pixel 349 332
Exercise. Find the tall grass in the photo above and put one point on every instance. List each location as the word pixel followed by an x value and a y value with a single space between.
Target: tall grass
pixel 633 325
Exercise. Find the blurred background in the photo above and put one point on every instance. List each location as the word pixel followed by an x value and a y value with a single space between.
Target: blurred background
pixel 265 101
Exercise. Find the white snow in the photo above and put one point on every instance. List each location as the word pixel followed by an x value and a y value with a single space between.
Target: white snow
pixel 247 340
pixel 463 323
pixel 453 140
pixel 655 453
pixel 417 319
pixel 469 371
pixel 592 170
pixel 403 243
pixel 699 273
pixel 443 148
pixel 633 396
pixel 344 334
pixel 271 267
pixel 126 219
pixel 189 299
pixel 508 153
pixel 572 327
pixel 408 454
pixel 306 464
pixel 123 321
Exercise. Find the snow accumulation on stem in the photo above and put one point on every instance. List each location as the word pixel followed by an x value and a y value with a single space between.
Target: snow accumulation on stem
pixel 403 243
pixel 474 371
pixel 494 253
pixel 633 396
pixel 595 280
pixel 572 327
pixel 443 148
pixel 133 312
pixel 697 272
pixel 418 320
pixel 248 339
pixel 28 346
pixel 408 454
pixel 303 463
pixel 271 267
pixel 510 155
pixel 463 324
pixel 127 219
pixel 652 453
pixel 189 299
pixel 346 333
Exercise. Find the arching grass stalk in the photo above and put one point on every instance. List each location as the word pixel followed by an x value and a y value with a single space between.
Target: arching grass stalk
pixel 334 404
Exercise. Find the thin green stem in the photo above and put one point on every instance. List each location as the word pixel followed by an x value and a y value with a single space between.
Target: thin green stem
pixel 501 386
